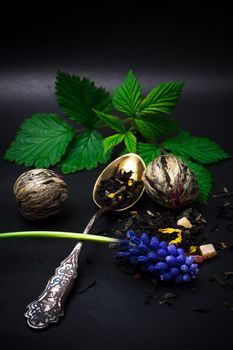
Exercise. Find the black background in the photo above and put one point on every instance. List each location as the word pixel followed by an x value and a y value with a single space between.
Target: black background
pixel 189 43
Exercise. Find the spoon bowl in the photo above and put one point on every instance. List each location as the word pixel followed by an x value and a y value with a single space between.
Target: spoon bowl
pixel 127 162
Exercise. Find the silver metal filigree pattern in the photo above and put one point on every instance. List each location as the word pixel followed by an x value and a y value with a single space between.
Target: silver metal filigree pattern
pixel 49 307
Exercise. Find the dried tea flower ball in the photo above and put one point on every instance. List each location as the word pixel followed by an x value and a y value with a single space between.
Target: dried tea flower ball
pixel 40 193
pixel 169 182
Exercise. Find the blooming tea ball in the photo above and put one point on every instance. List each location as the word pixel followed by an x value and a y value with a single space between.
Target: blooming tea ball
pixel 170 183
pixel 40 193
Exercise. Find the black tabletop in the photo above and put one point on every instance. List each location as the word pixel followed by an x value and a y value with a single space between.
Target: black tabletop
pixel 192 45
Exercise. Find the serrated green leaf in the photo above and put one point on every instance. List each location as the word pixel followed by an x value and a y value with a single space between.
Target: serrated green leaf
pixel 114 122
pixel 77 97
pixel 200 149
pixel 41 141
pixel 152 127
pixel 148 152
pixel 162 99
pixel 127 97
pixel 111 141
pixel 204 180
pixel 85 151
pixel 130 142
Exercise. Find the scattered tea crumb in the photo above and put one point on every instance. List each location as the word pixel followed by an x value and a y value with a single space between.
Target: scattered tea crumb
pixel 201 310
pixel 151 294
pixel 227 304
pixel 92 284
pixel 222 246
pixel 154 282
pixel 214 228
pixel 148 299
pixel 113 245
pixel 119 234
pixel 218 280
pixel 225 193
pixel 168 298
pixel 132 212
pixel 149 213
pixel 225 211
pixel 228 274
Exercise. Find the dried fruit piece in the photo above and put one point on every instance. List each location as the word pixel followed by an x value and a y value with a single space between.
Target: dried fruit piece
pixel 198 259
pixel 184 222
pixel 208 251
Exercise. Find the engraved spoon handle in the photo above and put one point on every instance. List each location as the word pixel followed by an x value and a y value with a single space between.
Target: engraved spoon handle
pixel 49 306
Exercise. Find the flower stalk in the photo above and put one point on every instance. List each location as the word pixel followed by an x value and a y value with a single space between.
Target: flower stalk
pixel 59 234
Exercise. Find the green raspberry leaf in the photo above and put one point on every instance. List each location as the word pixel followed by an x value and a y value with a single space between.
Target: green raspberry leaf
pixel 111 141
pixel 127 97
pixel 41 141
pixel 199 149
pixel 130 142
pixel 77 97
pixel 152 127
pixel 162 99
pixel 114 122
pixel 148 152
pixel 204 179
pixel 85 151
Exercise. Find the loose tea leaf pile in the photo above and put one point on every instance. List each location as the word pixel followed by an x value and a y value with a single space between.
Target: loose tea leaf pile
pixel 118 191
pixel 154 222
pixel 156 244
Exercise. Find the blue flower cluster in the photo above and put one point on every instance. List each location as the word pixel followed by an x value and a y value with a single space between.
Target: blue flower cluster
pixel 158 257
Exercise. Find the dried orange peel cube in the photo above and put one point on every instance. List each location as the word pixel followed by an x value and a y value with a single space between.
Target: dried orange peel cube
pixel 208 251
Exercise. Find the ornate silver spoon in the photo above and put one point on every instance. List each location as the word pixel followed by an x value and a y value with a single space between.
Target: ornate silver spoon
pixel 49 306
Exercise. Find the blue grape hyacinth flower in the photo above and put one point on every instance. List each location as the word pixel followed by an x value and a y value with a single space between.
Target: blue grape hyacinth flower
pixel 159 258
